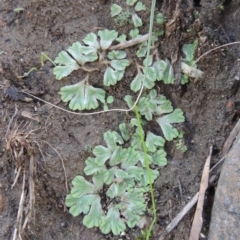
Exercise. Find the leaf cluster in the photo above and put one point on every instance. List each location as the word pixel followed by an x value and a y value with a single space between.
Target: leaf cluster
pixel 154 105
pixel 120 167
pixel 122 17
pixel 82 95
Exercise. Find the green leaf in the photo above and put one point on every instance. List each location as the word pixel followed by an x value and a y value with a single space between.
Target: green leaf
pixel 83 54
pixel 142 51
pixel 112 138
pixel 116 54
pixel 91 40
pixel 149 62
pixel 135 172
pixel 142 159
pixel 110 77
pixel 79 205
pixel 168 76
pixel 133 158
pixel 99 179
pixel 119 74
pixel 137 21
pixel 184 79
pixel 136 142
pixel 82 96
pixel 159 158
pixel 160 67
pixel 189 50
pixel 115 10
pixel 119 155
pixel 153 173
pixel 122 38
pixel 160 19
pixel 131 2
pixel 134 33
pixel 92 167
pixel 137 82
pixel 94 217
pixel 106 38
pixel 140 7
pixel 112 222
pixel 128 100
pixel 153 141
pixel 81 187
pixel 124 131
pixel 110 99
pixel 109 175
pixel 134 206
pixel 68 63
pixel 102 154
pixel 116 189
pixel 165 123
pixel 150 78
pixel 120 64
pixel 147 107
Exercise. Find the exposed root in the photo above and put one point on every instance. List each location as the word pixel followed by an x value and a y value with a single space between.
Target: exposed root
pixel 20 139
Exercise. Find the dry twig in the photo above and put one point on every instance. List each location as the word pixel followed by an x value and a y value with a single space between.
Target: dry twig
pixel 197 221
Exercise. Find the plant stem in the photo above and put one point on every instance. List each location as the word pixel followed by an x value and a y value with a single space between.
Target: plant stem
pixel 148 173
pixel 140 126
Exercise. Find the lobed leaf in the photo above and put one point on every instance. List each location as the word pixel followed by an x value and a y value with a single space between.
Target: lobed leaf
pixel 112 138
pixel 81 187
pixel 116 190
pixel 133 158
pixel 137 21
pixel 82 96
pixel 91 40
pixel 115 10
pixel 68 63
pixel 122 38
pixel 153 141
pixel 160 67
pixel 168 77
pixel 119 155
pixel 92 167
pixel 116 54
pixel 140 7
pixel 112 222
pixel 124 131
pixel 165 123
pixel 137 82
pixel 102 154
pixel 159 158
pixel 189 50
pixel 134 33
pixel 79 205
pixel 131 2
pixel 83 54
pixel 106 38
pixel 94 217
pixel 153 176
pixel 110 77
pixel 120 64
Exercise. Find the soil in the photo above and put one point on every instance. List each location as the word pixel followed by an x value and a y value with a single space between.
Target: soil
pixel 211 107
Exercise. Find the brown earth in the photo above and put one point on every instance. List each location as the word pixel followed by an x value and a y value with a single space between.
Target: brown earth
pixel 211 107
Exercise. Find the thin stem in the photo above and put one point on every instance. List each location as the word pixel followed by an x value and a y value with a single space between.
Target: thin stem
pixel 137 114
pixel 44 55
pixel 146 160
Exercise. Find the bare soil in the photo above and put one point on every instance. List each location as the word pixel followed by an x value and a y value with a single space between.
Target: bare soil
pixel 211 107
